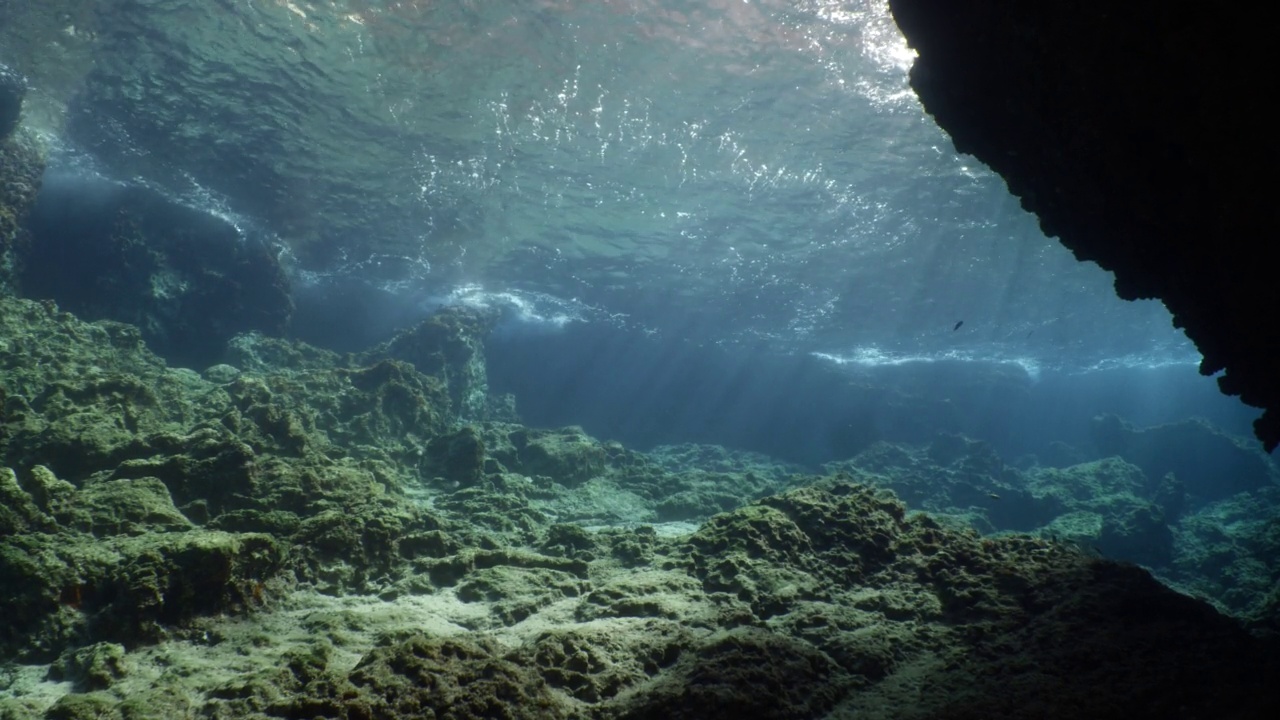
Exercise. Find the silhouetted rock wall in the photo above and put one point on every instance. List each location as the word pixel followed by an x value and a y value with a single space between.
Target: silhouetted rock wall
pixel 1136 133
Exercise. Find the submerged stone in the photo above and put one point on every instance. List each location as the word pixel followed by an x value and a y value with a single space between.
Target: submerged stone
pixel 1209 464
pixel 94 667
pixel 13 88
pixel 22 164
pixel 188 278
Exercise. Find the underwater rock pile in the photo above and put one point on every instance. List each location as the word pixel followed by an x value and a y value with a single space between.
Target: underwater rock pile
pixel 294 533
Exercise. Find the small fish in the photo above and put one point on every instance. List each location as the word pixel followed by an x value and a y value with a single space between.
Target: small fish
pixel 957 327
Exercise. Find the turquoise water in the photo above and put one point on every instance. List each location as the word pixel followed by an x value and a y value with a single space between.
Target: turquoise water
pixel 718 172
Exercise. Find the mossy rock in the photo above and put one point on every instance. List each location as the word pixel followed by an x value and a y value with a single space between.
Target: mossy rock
pixel 755 531
pixel 568 456
pixel 447 572
pixel 456 458
pixel 656 594
pixel 209 471
pixel 462 678
pixel 1211 464
pixel 571 541
pixel 13 88
pixel 788 680
pixel 94 667
pixel 848 525
pixel 496 509
pixel 124 507
pixel 85 706
pixel 1137 531
pixel 263 354
pixel 22 162
pixel 598 662
pixel 1088 482
pixel 125 589
pixel 633 548
pixel 19 508
pixel 514 594
pixel 164 581
pixel 449 345
pixel 856 637
pixel 696 504
pixel 355 548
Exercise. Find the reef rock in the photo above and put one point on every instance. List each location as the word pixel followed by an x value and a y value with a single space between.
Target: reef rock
pixel 1208 464
pixel 13 88
pixel 22 163
pixel 325 533
pixel 188 278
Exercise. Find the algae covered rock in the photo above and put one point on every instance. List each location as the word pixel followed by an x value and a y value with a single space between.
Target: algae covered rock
pixel 457 458
pixel 85 706
pixel 1130 524
pixel 840 532
pixel 398 563
pixel 1108 504
pixel 1228 551
pixel 19 510
pixel 1210 464
pixel 95 667
pixel 790 679
pixel 109 442
pixel 598 662
pixel 124 507
pixel 22 164
pixel 569 455
pixel 13 88
pixel 83 397
pixel 187 278
pixel 654 594
pixel 125 588
pixel 303 399
pixel 515 593
pixel 952 475
pixel 449 345
pixel 462 678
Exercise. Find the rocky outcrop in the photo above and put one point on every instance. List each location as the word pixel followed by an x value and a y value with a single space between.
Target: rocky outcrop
pixel 13 88
pixel 114 562
pixel 450 345
pixel 1151 496
pixel 1208 464
pixel 22 165
pixel 189 278
pixel 325 532
pixel 1134 134
pixel 141 496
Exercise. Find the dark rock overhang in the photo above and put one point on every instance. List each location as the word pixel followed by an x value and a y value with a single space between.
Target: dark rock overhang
pixel 1136 133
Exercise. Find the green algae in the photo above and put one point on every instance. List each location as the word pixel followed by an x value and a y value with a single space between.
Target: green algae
pixel 347 541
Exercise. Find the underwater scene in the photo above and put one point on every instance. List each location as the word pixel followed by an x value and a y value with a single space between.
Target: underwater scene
pixel 579 359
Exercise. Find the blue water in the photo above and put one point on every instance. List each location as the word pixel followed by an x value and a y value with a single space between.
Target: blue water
pixel 696 219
